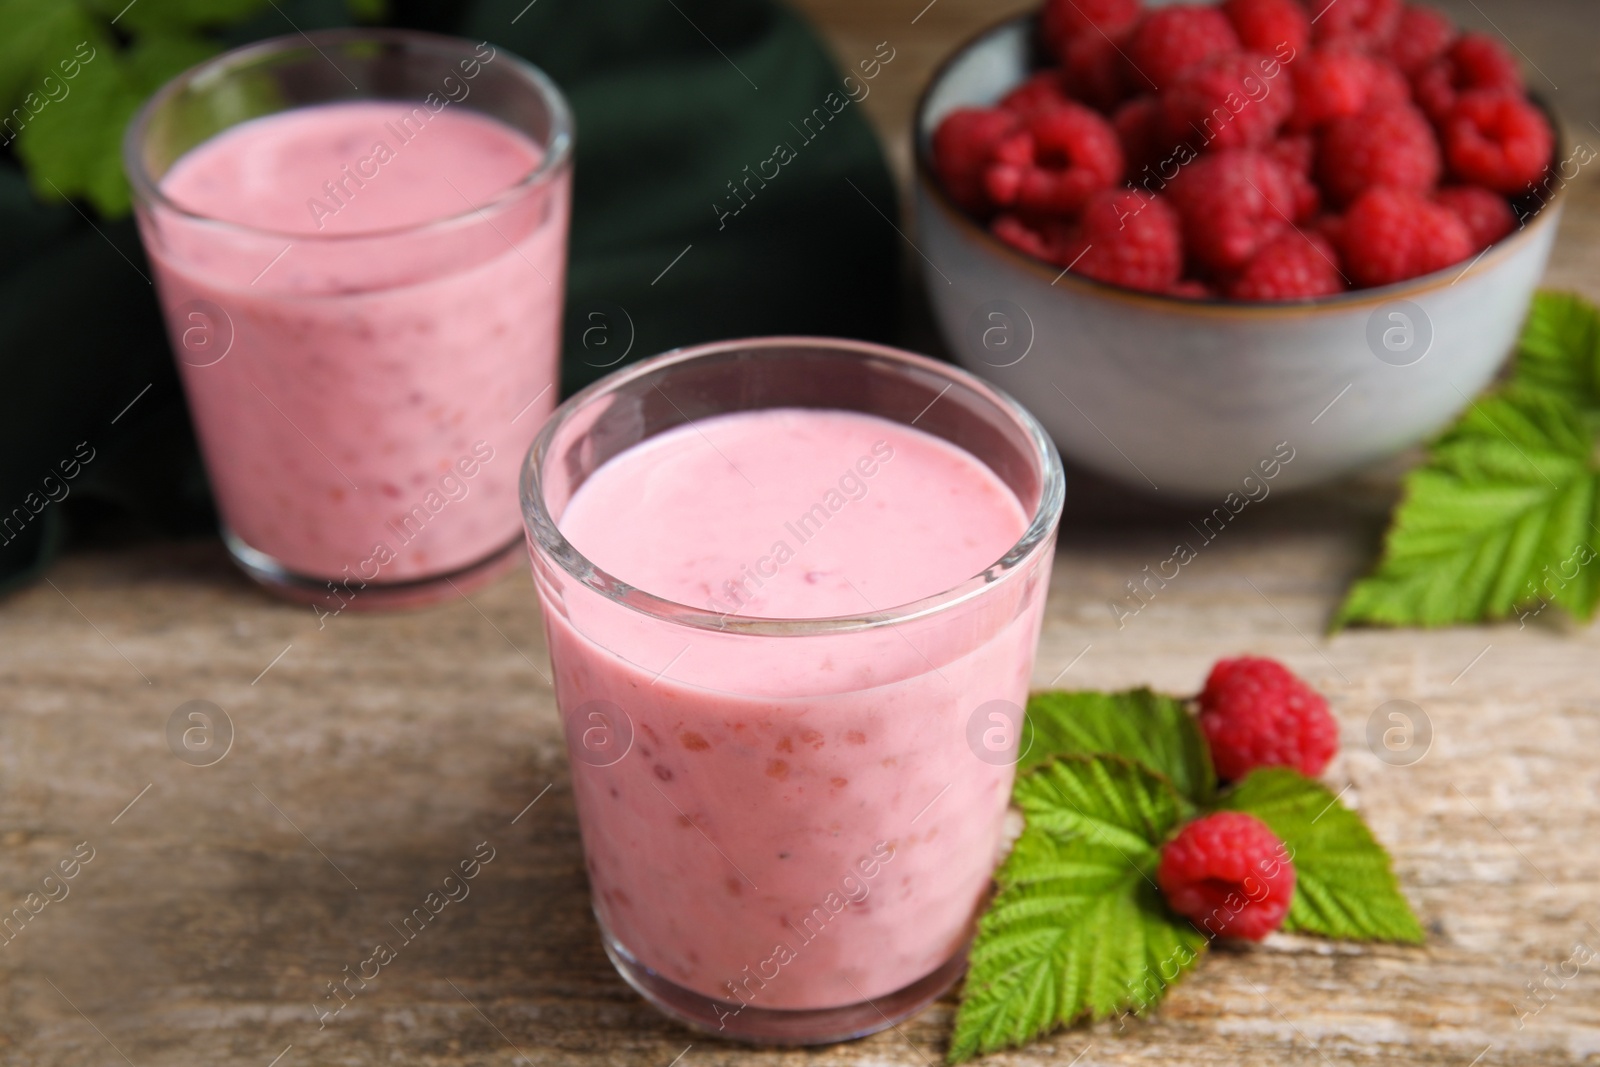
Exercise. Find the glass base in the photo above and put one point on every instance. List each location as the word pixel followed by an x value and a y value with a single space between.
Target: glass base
pixel 374 596
pixel 736 1021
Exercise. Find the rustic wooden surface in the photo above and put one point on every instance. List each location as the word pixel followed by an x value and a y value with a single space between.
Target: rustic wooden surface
pixel 373 753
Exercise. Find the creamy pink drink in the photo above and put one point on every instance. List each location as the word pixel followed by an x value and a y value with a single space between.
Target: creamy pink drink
pixel 365 299
pixel 799 822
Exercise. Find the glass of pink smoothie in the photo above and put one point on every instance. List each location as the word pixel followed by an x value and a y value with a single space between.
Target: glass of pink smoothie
pixel 791 589
pixel 359 242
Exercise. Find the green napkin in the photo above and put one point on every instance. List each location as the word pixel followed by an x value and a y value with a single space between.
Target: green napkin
pixel 673 100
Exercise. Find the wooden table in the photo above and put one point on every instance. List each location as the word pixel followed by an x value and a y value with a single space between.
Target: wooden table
pixel 372 753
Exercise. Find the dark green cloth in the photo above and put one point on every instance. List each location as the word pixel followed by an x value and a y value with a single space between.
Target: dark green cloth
pixel 673 99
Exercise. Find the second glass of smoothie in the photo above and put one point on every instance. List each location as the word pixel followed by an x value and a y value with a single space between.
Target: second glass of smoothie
pixel 788 585
pixel 359 241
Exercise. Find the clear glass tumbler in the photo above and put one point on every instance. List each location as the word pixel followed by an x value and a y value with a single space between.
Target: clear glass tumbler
pixel 362 395
pixel 722 897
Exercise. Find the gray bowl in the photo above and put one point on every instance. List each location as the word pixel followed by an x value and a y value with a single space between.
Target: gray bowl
pixel 1187 397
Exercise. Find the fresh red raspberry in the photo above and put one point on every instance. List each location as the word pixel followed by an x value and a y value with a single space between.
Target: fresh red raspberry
pixel 1042 238
pixel 963 145
pixel 1046 89
pixel 1296 266
pixel 1329 83
pixel 1330 228
pixel 1189 289
pixel 1367 23
pixel 1053 164
pixel 1389 235
pixel 1393 146
pixel 1139 127
pixel 1063 20
pixel 1496 138
pixel 1197 106
pixel 1129 238
pixel 1475 61
pixel 1171 39
pixel 1232 203
pixel 1421 36
pixel 1096 69
pixel 1388 86
pixel 1229 874
pixel 1296 155
pixel 1255 713
pixel 1269 25
pixel 1487 214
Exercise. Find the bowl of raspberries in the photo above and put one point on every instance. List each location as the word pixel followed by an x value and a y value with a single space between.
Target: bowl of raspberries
pixel 1190 235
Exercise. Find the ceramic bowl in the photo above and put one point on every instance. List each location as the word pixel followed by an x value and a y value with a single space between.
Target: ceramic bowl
pixel 1188 397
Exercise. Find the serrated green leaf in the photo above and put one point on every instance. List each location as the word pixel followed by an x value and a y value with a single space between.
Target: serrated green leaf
pixel 1078 928
pixel 1345 885
pixel 36 38
pixel 1150 728
pixel 1502 520
pixel 1560 348
pixel 67 127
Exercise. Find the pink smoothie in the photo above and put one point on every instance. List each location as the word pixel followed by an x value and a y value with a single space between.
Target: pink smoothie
pixel 799 822
pixel 382 376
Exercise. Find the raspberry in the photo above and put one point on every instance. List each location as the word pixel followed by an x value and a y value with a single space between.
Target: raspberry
pixel 1046 89
pixel 1365 23
pixel 1198 110
pixel 1294 267
pixel 1228 874
pixel 1232 203
pixel 1042 239
pixel 1096 70
pixel 962 147
pixel 1389 86
pixel 1255 713
pixel 1268 25
pixel 1139 128
pixel 1129 238
pixel 1486 213
pixel 1497 139
pixel 1052 165
pixel 1171 39
pixel 1063 20
pixel 1475 61
pixel 1389 235
pixel 1329 83
pixel 1296 155
pixel 1422 36
pixel 1392 146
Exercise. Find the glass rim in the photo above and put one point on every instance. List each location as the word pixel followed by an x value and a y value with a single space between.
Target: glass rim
pixel 557 153
pixel 549 539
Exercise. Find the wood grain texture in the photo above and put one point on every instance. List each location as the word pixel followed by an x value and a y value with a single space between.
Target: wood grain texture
pixel 379 751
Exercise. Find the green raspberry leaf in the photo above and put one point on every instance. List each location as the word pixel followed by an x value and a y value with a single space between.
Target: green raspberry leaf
pixel 1502 520
pixel 68 87
pixel 1560 349
pixel 1149 728
pixel 1345 885
pixel 1078 929
pixel 1504 517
